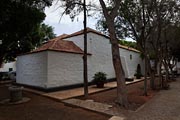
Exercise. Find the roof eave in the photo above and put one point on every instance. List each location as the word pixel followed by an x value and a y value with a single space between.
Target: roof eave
pixel 53 50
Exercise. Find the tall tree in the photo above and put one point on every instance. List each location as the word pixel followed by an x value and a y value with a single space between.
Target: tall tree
pixel 40 34
pixel 85 51
pixel 165 14
pixel 73 8
pixel 144 21
pixel 133 21
pixel 18 19
pixel 110 13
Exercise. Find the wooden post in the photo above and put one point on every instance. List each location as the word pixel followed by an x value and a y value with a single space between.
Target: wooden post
pixel 85 54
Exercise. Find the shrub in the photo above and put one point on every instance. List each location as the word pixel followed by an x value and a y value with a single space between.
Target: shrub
pixel 99 77
pixel 138 73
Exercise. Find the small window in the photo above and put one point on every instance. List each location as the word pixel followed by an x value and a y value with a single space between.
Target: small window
pixel 10 69
pixel 130 57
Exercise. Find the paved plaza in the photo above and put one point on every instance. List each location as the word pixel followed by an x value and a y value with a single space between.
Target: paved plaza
pixel 164 106
pixel 70 93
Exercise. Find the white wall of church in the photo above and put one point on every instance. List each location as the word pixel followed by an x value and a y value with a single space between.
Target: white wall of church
pixel 101 59
pixel 32 69
pixel 64 69
pixel 50 69
pixel 132 59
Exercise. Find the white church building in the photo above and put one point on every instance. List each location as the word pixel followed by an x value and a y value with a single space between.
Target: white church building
pixel 59 62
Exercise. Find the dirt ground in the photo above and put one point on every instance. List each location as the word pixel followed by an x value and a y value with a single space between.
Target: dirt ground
pixel 47 109
pixel 42 108
pixel 135 95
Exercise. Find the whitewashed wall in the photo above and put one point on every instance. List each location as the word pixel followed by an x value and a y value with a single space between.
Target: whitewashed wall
pixel 101 59
pixel 32 69
pixel 6 66
pixel 64 69
pixel 131 63
pixel 178 67
pixel 54 69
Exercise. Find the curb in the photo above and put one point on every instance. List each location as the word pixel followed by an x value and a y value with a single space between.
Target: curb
pixel 80 95
pixel 75 106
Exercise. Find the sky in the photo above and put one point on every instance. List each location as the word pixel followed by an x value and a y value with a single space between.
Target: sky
pixel 65 25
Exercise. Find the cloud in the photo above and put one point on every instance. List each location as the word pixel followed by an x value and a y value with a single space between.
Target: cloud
pixel 65 25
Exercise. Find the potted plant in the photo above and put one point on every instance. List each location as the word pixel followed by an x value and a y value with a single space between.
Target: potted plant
pixel 129 79
pixel 138 76
pixel 138 73
pixel 99 79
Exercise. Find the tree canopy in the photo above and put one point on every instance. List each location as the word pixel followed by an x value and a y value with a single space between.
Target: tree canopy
pixel 151 23
pixel 20 22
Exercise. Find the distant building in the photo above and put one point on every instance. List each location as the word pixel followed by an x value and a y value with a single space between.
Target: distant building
pixel 7 67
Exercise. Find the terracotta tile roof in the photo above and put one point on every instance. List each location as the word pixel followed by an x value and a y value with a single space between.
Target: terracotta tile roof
pixel 98 33
pixel 129 48
pixel 82 31
pixel 59 37
pixel 57 44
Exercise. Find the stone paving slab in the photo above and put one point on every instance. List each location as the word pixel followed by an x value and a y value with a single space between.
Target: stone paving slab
pixel 116 118
pixel 95 106
pixel 70 93
pixel 66 94
pixel 164 106
pixel 89 104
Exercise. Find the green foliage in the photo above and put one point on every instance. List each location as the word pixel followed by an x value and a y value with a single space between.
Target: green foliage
pixel 72 7
pixel 146 22
pixel 4 76
pixel 128 43
pixel 121 27
pixel 46 31
pixel 152 55
pixel 142 56
pixel 99 77
pixel 41 34
pixel 19 20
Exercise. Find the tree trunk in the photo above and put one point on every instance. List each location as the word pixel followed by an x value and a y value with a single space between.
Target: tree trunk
pixel 152 80
pixel 160 75
pixel 119 72
pixel 145 77
pixel 166 76
pixel 85 72
pixel 152 75
pixel 172 73
pixel 120 77
pixel 1 61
